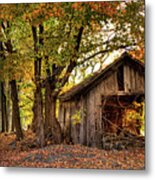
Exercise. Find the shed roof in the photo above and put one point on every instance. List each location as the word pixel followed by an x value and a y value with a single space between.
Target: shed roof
pixel 90 81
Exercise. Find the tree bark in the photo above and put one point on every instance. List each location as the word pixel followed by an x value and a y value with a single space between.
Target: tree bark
pixel 4 117
pixel 4 109
pixel 34 108
pixel 14 92
pixel 15 110
pixel 39 116
pixel 38 119
pixel 12 125
pixel 52 125
pixel 51 93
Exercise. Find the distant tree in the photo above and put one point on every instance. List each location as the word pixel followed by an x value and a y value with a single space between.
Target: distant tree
pixel 8 51
pixel 3 100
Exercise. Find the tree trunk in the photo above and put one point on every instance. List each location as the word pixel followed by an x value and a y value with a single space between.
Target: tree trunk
pixel 34 108
pixel 15 110
pixel 9 111
pixel 38 119
pixel 12 125
pixel 4 117
pixel 39 116
pixel 52 125
pixel 49 109
pixel 0 110
pixel 4 109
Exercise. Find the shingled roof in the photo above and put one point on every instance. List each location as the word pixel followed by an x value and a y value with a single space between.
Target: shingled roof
pixel 91 81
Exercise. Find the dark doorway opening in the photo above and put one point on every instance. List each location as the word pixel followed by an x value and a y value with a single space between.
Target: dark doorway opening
pixel 120 78
pixel 114 109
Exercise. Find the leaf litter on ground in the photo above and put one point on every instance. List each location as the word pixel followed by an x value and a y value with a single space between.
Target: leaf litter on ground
pixel 19 154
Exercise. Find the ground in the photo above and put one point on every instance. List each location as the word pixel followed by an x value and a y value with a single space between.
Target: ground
pixel 19 154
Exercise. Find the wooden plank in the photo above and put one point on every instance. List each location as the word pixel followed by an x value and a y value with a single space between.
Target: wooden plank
pixel 88 119
pixel 66 120
pixel 110 84
pixel 106 89
pixel 127 78
pixel 85 114
pixel 69 122
pixel 60 115
pixel 97 108
pixel 132 79
pixel 91 127
pixel 136 81
pixel 115 84
pixel 73 109
pixel 76 126
pixel 63 117
pixel 95 119
pixel 122 93
pixel 83 122
pixel 141 83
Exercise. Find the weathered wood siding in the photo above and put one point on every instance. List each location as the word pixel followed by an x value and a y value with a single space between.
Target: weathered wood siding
pixel 94 120
pixel 133 79
pixel 90 130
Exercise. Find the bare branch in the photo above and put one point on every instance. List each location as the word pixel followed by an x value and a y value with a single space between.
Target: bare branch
pixel 102 52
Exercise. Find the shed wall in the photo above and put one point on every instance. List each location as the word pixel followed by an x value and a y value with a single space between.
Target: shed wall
pixel 90 129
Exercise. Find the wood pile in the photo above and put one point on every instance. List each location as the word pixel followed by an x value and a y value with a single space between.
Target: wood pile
pixel 124 140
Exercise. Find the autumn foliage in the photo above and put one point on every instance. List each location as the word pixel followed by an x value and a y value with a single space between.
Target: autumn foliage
pixel 44 49
pixel 67 156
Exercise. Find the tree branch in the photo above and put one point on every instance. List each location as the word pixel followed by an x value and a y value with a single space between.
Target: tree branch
pixel 103 51
pixel 73 62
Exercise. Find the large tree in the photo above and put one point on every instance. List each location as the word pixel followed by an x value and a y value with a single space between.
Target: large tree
pixel 76 33
pixel 59 38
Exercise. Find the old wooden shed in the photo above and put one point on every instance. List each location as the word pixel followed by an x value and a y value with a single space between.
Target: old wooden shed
pixel 95 106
